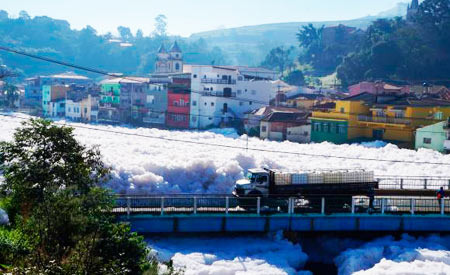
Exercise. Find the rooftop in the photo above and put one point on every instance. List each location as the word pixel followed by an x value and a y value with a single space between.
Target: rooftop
pixel 299 117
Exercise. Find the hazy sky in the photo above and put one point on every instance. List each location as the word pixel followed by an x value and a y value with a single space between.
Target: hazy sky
pixel 190 16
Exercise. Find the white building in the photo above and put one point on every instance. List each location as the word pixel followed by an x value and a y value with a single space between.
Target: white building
pixel 220 94
pixel 73 110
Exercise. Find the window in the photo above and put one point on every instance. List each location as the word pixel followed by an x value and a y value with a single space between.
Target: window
pixel 325 127
pixel 341 129
pixel 333 128
pixel 240 78
pixel 400 114
pixel 241 103
pixel 194 76
pixel 250 103
pixel 342 110
pixel 194 119
pixel 317 127
pixel 175 103
pixel 212 103
pixel 427 140
pixel 182 102
pixel 85 110
pixel 194 103
pixel 263 129
pixel 68 109
pixel 438 115
pixel 177 66
pixel 206 103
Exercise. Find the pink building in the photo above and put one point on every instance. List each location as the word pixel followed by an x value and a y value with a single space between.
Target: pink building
pixel 376 87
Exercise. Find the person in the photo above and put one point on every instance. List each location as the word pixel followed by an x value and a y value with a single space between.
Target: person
pixel 440 194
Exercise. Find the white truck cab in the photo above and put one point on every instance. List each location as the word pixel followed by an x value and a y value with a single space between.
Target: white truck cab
pixel 256 184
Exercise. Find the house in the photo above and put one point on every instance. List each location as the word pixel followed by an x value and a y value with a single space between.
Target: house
pixel 390 117
pixel 122 100
pixel 252 118
pixel 178 107
pixel 53 100
pixel 84 109
pixel 376 88
pixel 33 86
pixel 304 101
pixel 222 95
pixel 73 110
pixel 286 125
pixel 156 103
pixel 435 136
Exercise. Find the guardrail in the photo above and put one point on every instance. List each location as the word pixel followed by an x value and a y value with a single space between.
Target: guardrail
pixel 389 120
pixel 413 183
pixel 193 205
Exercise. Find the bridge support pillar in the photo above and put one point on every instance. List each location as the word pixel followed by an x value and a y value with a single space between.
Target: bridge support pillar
pixel 227 205
pixel 128 207
pixel 383 205
pixel 258 206
pixel 442 206
pixel 353 205
pixel 323 206
pixel 413 206
pixel 195 205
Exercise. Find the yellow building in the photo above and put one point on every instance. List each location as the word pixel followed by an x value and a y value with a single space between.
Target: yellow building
pixel 386 117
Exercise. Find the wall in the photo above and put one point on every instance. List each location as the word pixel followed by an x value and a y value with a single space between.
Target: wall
pixel 301 134
pixel 437 135
pixel 331 132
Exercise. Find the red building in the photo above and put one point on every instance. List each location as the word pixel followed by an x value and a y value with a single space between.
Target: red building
pixel 178 107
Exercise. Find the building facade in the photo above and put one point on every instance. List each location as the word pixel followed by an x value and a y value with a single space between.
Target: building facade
pixel 178 107
pixel 223 94
pixel 156 103
pixel 53 100
pixel 284 125
pixel 436 137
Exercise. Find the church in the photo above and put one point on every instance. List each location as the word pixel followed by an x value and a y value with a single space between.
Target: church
pixel 413 8
pixel 169 62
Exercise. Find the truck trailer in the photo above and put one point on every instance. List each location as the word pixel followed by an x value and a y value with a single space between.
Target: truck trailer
pixel 310 186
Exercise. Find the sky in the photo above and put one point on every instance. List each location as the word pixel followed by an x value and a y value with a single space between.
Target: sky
pixel 191 16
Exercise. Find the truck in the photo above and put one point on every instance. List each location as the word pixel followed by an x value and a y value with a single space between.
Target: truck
pixel 310 186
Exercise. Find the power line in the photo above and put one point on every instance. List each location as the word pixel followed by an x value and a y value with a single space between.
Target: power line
pixel 134 79
pixel 240 147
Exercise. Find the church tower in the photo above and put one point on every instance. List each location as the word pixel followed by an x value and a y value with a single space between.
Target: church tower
pixel 169 61
pixel 413 9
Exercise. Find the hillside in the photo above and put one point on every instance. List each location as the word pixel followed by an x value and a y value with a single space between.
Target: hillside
pixel 242 42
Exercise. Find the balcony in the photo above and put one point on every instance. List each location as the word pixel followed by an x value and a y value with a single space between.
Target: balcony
pixel 218 81
pixel 219 94
pixel 386 120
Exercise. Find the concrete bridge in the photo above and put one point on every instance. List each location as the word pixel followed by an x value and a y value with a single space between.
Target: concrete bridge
pixel 193 214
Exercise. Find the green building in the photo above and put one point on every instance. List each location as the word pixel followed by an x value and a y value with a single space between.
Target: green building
pixel 331 130
pixel 434 136
pixel 110 93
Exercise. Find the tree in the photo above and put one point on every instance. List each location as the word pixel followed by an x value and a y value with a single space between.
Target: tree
pixel 161 25
pixel 24 15
pixel 309 36
pixel 278 58
pixel 296 78
pixel 12 95
pixel 52 185
pixel 125 33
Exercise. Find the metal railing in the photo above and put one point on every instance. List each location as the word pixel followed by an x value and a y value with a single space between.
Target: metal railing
pixel 218 81
pixel 390 120
pixel 194 205
pixel 413 183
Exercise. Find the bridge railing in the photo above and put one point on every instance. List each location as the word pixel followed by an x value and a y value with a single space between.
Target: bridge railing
pixel 191 205
pixel 417 183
